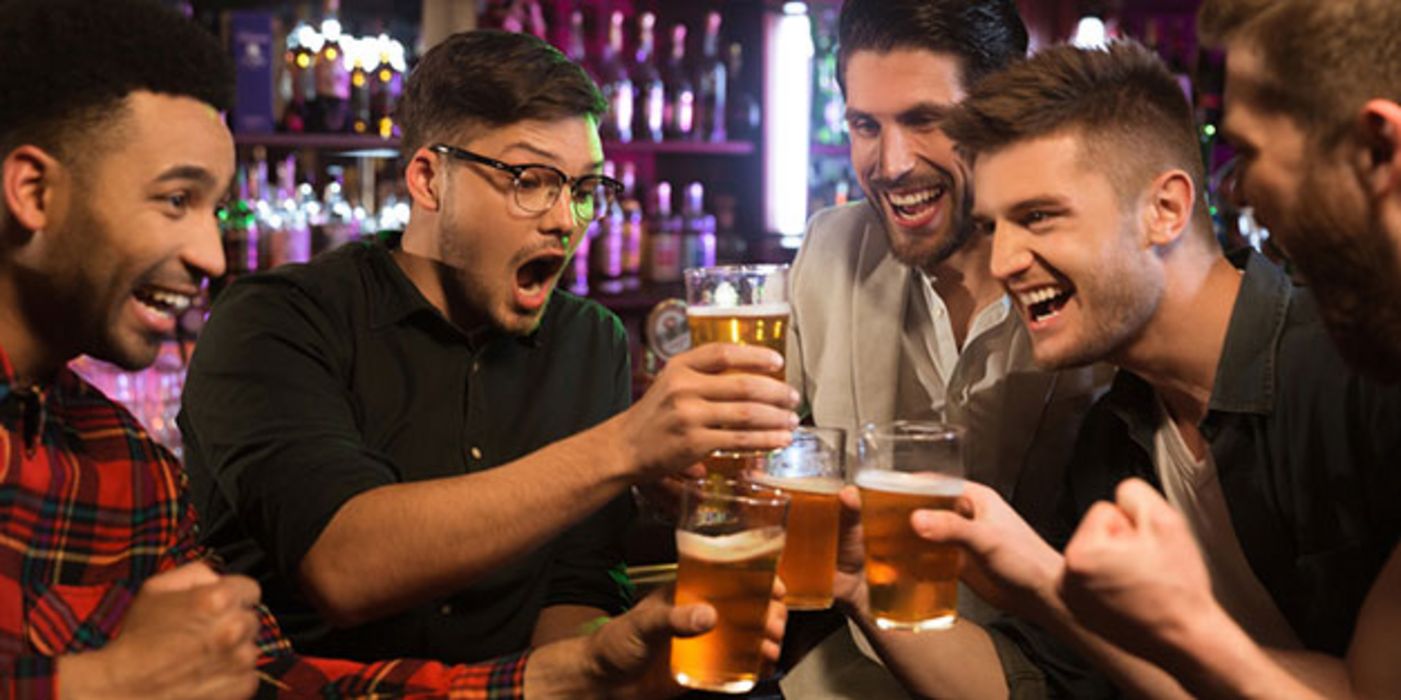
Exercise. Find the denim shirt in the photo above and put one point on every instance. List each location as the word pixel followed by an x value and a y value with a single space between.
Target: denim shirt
pixel 1308 453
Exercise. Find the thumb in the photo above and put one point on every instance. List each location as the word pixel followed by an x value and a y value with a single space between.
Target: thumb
pixel 182 578
pixel 691 620
pixel 944 527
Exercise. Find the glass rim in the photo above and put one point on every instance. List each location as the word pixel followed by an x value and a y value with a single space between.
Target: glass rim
pixel 705 490
pixel 740 269
pixel 915 431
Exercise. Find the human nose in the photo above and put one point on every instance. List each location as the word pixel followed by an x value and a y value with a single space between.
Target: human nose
pixel 896 158
pixel 205 251
pixel 1010 256
pixel 559 218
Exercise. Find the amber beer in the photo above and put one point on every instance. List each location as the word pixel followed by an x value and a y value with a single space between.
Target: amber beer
pixel 913 583
pixel 734 573
pixel 758 324
pixel 809 560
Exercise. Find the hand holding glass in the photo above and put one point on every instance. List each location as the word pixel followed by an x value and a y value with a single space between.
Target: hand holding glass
pixel 906 466
pixel 729 540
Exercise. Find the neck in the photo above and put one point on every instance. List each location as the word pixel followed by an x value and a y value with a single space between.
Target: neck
pixel 1180 347
pixel 440 284
pixel 964 281
pixel 34 359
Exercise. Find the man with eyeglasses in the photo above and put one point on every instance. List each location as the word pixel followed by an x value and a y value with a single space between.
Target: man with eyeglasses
pixel 421 447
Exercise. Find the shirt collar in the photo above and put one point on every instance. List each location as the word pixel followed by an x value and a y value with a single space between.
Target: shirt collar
pixel 1246 374
pixel 396 299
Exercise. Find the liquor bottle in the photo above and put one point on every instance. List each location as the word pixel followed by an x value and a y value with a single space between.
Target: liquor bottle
pixel 698 229
pixel 576 46
pixel 303 43
pixel 649 93
pixel 364 59
pixel 633 228
pixel 336 224
pixel 576 273
pixel 240 231
pixel 679 116
pixel 745 115
pixel 662 256
pixel 606 248
pixel 297 248
pixel 711 81
pixel 387 85
pixel 332 76
pixel 616 85
pixel 272 235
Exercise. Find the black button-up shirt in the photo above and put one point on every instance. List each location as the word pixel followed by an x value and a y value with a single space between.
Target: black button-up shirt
pixel 317 382
pixel 1309 457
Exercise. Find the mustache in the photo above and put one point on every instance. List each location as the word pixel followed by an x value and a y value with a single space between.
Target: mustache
pixel 940 176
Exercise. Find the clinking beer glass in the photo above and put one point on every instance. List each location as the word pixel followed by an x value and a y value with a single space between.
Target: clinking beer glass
pixel 743 304
pixel 810 471
pixel 729 540
pixel 906 466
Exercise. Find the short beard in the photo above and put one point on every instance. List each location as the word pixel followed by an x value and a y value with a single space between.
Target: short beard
pixel 960 231
pixel 1353 268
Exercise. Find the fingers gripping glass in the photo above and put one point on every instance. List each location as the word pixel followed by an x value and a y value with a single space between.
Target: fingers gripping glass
pixel 537 186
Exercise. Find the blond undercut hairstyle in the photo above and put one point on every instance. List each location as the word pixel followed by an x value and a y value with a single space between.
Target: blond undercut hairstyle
pixel 1323 59
pixel 1126 108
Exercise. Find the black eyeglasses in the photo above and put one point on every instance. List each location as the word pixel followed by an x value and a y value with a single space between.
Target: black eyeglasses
pixel 537 186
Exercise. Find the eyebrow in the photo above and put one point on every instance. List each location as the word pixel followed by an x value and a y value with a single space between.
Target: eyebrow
pixel 547 155
pixel 1045 201
pixel 188 172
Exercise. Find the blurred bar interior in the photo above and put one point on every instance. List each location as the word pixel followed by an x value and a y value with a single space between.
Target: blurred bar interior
pixel 726 124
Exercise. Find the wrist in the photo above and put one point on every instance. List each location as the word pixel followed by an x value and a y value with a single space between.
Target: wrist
pixel 614 453
pixel 85 675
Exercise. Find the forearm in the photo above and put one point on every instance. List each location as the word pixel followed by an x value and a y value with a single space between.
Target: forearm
pixel 1133 675
pixel 563 670
pixel 1214 658
pixel 393 546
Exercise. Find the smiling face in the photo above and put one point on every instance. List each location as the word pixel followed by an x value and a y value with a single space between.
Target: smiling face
pixel 1315 208
pixel 906 166
pixel 506 260
pixel 1072 255
pixel 133 232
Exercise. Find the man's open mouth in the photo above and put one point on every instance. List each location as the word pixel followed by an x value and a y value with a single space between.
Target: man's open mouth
pixel 539 271
pixel 163 301
pixel 1045 302
pixel 916 207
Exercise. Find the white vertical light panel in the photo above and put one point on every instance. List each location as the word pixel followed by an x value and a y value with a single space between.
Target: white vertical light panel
pixel 787 114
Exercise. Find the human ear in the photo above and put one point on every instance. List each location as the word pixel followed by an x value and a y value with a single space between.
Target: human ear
pixel 26 181
pixel 423 177
pixel 1168 212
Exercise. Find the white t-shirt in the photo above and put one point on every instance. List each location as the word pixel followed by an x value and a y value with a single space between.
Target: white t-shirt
pixel 1192 488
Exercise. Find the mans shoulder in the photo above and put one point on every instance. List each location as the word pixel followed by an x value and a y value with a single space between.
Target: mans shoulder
pixel 838 229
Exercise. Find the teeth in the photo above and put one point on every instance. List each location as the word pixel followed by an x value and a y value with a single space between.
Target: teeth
pixel 168 303
pixel 915 198
pixel 1040 294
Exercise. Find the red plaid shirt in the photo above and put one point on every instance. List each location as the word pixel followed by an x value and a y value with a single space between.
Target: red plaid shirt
pixel 91 506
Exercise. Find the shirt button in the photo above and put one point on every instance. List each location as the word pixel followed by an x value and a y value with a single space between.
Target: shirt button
pixel 446 609
pixel 476 453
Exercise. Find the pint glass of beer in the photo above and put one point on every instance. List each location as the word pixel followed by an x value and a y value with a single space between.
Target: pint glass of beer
pixel 742 304
pixel 905 466
pixel 729 540
pixel 810 471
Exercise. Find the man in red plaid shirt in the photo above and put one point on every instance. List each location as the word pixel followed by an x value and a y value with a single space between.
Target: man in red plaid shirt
pixel 113 157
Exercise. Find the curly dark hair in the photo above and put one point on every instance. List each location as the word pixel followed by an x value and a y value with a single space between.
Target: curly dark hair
pixel 491 78
pixel 69 64
pixel 984 35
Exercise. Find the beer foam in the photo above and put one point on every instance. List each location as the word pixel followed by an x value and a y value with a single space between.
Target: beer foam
pixel 730 548
pixel 922 483
pixel 810 484
pixel 778 308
